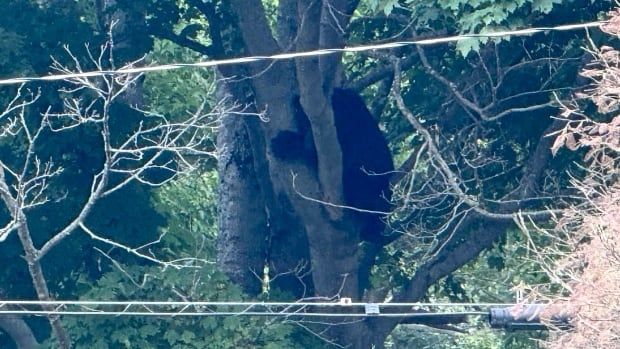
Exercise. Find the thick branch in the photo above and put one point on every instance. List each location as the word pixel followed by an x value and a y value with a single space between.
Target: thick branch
pixel 252 21
pixel 308 37
pixel 334 22
pixel 379 73
pixel 38 279
pixel 215 30
pixel 189 43
pixel 316 104
pixel 462 100
pixel 287 24
pixel 19 331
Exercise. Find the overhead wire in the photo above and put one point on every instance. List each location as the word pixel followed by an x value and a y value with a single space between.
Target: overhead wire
pixel 259 303
pixel 269 309
pixel 312 53
pixel 236 313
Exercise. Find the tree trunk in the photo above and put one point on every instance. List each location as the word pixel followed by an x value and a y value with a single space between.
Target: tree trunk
pixel 265 213
pixel 242 217
pixel 39 282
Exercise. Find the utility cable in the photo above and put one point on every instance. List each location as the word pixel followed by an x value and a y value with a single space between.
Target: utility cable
pixel 246 308
pixel 229 313
pixel 284 56
pixel 343 304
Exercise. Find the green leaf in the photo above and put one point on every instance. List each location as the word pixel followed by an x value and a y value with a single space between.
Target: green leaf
pixel 465 46
pixel 544 6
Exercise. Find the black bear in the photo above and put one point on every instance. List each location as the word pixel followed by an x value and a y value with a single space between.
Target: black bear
pixel 367 161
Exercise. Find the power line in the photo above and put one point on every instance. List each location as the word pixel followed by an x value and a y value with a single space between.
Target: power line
pixel 343 308
pixel 230 313
pixel 284 56
pixel 343 304
pixel 521 317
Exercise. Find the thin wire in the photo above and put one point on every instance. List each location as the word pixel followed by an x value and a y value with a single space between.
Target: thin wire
pixel 283 56
pixel 265 304
pixel 192 308
pixel 278 314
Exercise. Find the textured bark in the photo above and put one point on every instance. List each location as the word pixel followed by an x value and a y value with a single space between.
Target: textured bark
pixel 241 212
pixel 19 331
pixel 39 282
pixel 333 241
pixel 273 89
pixel 287 24
pixel 287 244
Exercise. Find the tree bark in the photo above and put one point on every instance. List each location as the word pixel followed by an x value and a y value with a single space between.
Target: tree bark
pixel 39 281
pixel 19 331
pixel 332 239
pixel 241 213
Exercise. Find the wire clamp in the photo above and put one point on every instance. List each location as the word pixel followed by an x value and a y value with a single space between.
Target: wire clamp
pixel 345 301
pixel 372 309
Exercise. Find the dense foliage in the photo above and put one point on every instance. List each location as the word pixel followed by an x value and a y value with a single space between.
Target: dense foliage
pixel 188 206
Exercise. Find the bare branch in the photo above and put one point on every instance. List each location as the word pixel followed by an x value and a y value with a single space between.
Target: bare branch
pixel 138 251
pixel 141 151
pixel 436 157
